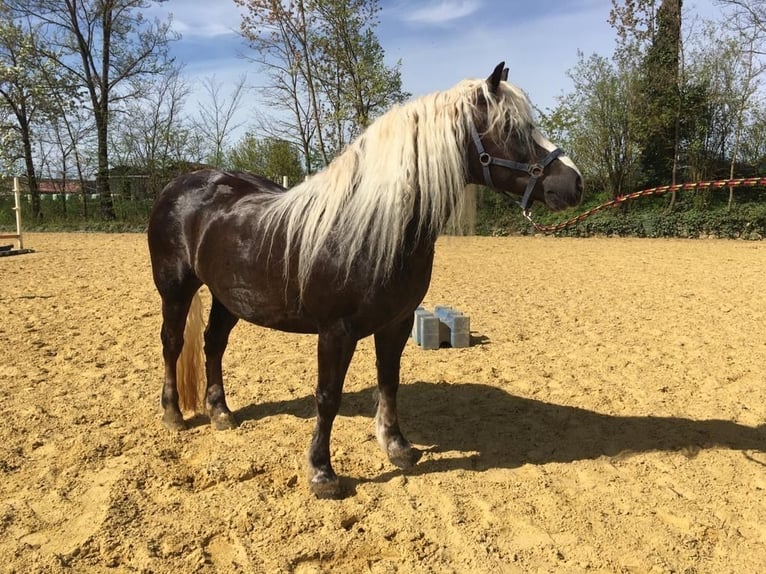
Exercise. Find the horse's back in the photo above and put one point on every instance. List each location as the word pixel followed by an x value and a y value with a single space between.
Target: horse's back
pixel 204 194
pixel 210 188
pixel 186 207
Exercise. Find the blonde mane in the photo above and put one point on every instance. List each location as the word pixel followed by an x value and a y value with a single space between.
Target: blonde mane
pixel 410 164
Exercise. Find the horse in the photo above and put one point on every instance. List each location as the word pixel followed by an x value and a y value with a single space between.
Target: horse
pixel 346 254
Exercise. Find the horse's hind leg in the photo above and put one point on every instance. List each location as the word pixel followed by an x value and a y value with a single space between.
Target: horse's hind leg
pixel 175 307
pixel 389 344
pixel 219 326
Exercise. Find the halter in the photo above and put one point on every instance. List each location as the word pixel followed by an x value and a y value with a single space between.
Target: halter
pixel 535 170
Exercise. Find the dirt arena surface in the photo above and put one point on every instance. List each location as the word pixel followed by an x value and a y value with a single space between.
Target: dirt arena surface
pixel 609 417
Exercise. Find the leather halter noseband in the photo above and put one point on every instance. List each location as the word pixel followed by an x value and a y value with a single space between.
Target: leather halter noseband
pixel 535 170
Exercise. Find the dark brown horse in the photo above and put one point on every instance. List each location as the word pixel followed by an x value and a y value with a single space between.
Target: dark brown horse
pixel 344 255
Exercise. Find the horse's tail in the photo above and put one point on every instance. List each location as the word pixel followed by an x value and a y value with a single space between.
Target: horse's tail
pixel 190 368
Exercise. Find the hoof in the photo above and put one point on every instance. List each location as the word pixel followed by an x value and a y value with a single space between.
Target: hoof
pixel 223 421
pixel 404 457
pixel 173 421
pixel 325 487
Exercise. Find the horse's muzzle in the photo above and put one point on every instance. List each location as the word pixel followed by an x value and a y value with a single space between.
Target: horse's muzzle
pixel 563 190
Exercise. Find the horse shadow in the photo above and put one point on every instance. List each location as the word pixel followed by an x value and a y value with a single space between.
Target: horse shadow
pixel 478 340
pixel 494 429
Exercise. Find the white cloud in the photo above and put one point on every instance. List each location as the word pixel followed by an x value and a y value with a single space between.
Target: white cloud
pixel 201 29
pixel 443 11
pixel 199 18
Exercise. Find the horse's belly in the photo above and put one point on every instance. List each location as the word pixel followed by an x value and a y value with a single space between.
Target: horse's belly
pixel 265 310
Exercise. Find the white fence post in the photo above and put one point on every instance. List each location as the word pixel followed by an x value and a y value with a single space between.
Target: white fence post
pixel 17 209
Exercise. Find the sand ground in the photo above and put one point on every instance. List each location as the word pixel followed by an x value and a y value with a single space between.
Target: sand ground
pixel 609 417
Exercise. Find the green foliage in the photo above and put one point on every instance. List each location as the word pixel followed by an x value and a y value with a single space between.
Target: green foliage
pixel 644 217
pixel 270 157
pixel 351 69
pixel 106 48
pixel 697 214
pixel 596 121
pixel 640 118
pixel 631 118
pixel 327 68
pixel 659 96
pixel 131 215
pixel 743 222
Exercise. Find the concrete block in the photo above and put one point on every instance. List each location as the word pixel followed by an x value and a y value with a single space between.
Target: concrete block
pixel 428 330
pixel 445 326
pixel 460 331
pixel 419 312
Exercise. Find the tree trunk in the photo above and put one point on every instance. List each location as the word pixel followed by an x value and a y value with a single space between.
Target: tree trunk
pixel 309 76
pixel 676 152
pixel 34 188
pixel 102 119
pixel 747 93
pixel 102 173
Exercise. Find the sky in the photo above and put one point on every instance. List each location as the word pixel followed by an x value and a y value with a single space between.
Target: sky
pixel 439 42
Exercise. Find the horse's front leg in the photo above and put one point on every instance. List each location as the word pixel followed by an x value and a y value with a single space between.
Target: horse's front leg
pixel 389 344
pixel 334 351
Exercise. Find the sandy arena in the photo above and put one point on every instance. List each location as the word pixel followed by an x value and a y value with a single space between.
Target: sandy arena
pixel 609 417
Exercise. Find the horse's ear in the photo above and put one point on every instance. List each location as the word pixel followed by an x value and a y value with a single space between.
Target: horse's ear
pixel 497 77
pixel 504 77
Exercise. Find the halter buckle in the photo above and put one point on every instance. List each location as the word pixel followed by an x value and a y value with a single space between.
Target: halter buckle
pixel 485 159
pixel 535 170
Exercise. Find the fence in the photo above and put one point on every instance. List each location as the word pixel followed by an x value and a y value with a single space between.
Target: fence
pixel 18 236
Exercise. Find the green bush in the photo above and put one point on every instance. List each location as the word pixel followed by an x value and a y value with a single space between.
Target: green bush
pixel 67 215
pixel 694 215
pixel 643 217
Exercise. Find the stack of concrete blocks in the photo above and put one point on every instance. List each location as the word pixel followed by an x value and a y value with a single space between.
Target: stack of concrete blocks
pixel 445 326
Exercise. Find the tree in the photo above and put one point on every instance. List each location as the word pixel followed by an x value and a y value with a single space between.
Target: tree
pixel 748 15
pixel 597 119
pixel 270 157
pixel 659 103
pixel 155 138
pixel 217 120
pixel 748 22
pixel 649 33
pixel 326 68
pixel 277 33
pixel 155 132
pixel 108 46
pixel 67 136
pixel 354 79
pixel 749 86
pixel 753 147
pixel 8 143
pixel 721 87
pixel 27 85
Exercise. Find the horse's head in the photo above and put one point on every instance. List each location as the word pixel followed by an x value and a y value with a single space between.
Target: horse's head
pixel 509 154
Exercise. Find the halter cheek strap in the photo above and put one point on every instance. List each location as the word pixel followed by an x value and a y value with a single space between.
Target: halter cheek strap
pixel 535 170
